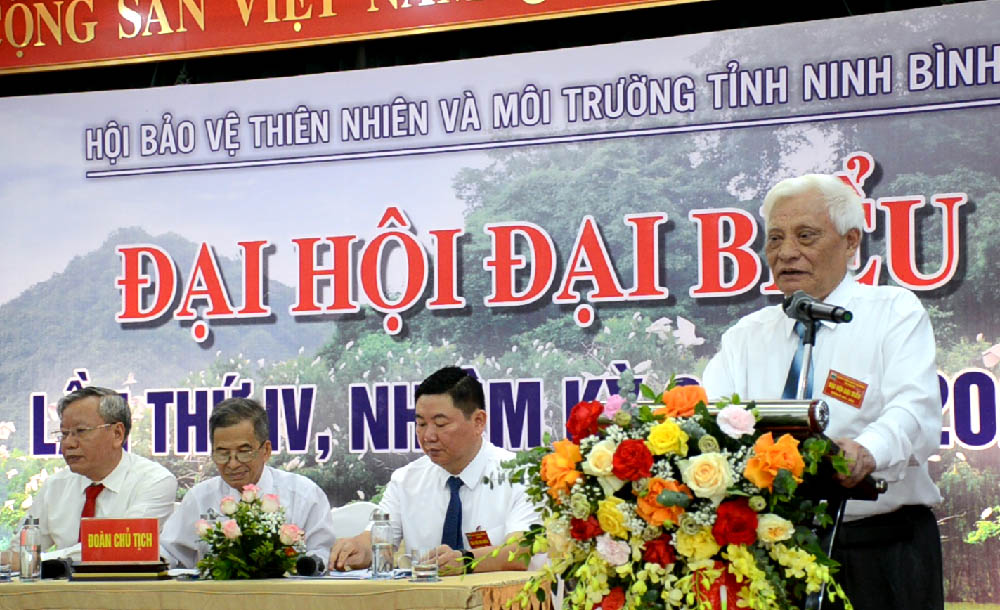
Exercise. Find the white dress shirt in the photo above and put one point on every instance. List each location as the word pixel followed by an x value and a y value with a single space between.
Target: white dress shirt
pixel 305 506
pixel 136 488
pixel 889 345
pixel 417 497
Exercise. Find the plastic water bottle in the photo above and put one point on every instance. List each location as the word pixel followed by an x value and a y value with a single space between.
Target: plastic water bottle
pixel 31 551
pixel 382 546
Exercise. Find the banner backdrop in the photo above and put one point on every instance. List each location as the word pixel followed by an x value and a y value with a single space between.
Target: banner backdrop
pixel 322 243
pixel 54 34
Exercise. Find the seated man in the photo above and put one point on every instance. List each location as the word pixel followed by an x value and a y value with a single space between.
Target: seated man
pixel 102 480
pixel 241 447
pixel 445 499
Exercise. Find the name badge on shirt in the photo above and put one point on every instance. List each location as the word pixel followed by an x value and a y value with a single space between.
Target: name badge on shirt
pixel 845 389
pixel 477 539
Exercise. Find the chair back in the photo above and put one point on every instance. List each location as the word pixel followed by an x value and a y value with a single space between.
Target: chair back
pixel 351 519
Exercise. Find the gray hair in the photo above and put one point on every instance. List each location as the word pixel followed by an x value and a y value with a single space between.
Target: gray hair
pixel 110 405
pixel 232 411
pixel 842 203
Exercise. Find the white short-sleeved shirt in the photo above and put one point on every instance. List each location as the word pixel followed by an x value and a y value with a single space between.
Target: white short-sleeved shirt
pixel 136 488
pixel 889 345
pixel 417 497
pixel 305 505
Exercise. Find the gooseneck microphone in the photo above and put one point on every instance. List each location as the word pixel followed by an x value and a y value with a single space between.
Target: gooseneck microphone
pixel 801 306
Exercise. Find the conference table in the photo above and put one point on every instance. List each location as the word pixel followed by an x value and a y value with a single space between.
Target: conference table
pixel 470 592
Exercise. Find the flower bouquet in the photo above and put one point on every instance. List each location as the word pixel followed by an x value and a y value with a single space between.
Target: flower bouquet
pixel 676 505
pixel 253 541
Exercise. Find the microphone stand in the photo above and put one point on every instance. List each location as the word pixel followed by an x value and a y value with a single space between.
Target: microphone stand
pixel 815 601
pixel 808 340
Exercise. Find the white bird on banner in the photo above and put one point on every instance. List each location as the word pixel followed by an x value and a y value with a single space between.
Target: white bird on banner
pixel 685 335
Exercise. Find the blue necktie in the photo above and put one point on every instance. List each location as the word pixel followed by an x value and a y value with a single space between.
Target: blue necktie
pixel 452 532
pixel 792 382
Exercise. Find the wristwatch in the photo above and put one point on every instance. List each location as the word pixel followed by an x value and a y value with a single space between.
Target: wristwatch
pixel 467 558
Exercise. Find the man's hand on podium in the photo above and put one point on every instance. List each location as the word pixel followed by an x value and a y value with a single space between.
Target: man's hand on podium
pixel 859 460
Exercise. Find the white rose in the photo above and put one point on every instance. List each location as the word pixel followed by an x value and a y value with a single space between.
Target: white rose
pixel 708 476
pixel 772 528
pixel 600 459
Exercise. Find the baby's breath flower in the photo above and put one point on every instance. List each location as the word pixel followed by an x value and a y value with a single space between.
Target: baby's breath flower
pixel 579 505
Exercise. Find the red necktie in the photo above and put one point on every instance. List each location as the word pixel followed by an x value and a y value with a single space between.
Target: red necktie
pixel 90 504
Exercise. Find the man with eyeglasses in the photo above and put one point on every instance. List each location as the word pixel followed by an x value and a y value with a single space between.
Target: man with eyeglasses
pixel 102 480
pixel 240 435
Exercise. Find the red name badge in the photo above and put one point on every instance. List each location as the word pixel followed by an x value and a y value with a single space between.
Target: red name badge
pixel 477 539
pixel 845 389
pixel 124 540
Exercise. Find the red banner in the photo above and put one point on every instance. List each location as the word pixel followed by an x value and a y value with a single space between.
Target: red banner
pixel 54 34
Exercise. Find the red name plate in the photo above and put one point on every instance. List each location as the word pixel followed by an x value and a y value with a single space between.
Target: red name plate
pixel 124 540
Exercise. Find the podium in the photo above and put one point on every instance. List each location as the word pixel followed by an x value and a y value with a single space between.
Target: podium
pixel 804 419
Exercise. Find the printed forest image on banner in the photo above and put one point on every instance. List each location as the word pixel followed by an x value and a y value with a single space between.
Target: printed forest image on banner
pixel 323 243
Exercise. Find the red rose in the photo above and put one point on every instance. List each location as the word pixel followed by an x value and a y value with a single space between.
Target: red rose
pixel 735 523
pixel 585 529
pixel 614 600
pixel 659 551
pixel 582 420
pixel 632 461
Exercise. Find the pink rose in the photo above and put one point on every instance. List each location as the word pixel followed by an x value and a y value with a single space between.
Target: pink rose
pixel 269 503
pixel 735 421
pixel 231 529
pixel 612 405
pixel 615 552
pixel 228 505
pixel 290 534
pixel 250 492
pixel 202 527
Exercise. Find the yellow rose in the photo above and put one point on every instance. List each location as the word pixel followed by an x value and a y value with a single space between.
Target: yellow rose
pixel 697 546
pixel 600 459
pixel 772 528
pixel 611 519
pixel 667 438
pixel 708 475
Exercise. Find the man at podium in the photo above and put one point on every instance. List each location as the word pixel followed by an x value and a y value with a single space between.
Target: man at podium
pixel 877 374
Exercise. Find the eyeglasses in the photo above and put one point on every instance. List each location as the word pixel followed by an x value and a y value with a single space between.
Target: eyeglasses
pixel 221 456
pixel 62 435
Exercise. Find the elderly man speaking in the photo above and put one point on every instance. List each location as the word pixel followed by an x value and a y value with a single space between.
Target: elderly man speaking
pixel 889 424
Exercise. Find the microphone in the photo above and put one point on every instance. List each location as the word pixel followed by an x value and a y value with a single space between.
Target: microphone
pixel 310 565
pixel 801 306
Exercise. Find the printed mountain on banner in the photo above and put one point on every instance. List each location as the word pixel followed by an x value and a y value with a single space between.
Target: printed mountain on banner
pixel 68 322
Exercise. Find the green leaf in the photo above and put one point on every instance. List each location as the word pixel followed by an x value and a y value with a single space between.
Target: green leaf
pixel 785 484
pixel 673 498
pixel 648 392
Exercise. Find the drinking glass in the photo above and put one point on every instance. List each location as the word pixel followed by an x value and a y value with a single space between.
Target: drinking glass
pixel 6 560
pixel 424 565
